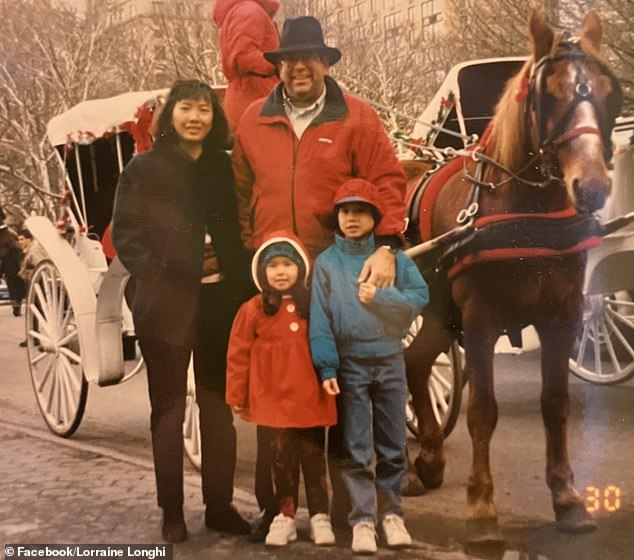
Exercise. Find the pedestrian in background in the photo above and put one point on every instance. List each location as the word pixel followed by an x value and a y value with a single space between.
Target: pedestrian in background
pixel 167 199
pixel 33 254
pixel 10 262
pixel 247 30
pixel 272 383
pixel 355 339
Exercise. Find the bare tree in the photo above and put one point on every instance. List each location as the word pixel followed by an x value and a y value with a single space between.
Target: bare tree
pixel 483 28
pixel 619 39
pixel 52 59
pixel 187 42
pixel 49 62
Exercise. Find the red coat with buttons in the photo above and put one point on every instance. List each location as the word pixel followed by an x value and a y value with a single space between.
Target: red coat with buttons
pixel 270 370
pixel 269 367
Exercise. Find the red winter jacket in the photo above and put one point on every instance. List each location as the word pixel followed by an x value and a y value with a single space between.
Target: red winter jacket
pixel 269 367
pixel 246 31
pixel 286 183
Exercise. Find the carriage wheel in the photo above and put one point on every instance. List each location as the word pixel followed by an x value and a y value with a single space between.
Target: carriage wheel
pixel 604 350
pixel 191 426
pixel 54 352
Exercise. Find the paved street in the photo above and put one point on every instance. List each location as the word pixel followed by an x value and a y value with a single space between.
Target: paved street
pixel 97 487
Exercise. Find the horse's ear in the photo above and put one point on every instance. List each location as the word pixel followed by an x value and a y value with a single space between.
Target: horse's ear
pixel 591 29
pixel 542 34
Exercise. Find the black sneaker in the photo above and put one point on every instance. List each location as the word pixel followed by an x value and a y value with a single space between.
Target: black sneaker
pixel 260 532
pixel 226 520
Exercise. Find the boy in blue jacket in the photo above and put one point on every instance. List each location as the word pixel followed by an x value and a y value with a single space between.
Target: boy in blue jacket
pixel 355 339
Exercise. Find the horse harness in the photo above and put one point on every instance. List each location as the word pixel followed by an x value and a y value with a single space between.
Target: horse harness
pixel 522 235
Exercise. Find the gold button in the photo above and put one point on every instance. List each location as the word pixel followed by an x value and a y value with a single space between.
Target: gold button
pixel 290 308
pixel 294 326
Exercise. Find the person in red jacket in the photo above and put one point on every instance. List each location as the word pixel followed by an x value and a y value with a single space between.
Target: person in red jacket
pixel 293 150
pixel 272 383
pixel 247 30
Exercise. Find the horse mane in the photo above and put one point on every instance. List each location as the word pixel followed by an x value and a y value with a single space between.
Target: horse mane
pixel 509 123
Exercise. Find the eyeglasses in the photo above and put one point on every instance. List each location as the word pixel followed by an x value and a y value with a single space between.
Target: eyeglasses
pixel 306 58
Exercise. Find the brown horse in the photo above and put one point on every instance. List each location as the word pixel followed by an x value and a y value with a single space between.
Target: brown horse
pixel 528 191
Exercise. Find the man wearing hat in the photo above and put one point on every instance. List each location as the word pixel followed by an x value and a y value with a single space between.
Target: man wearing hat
pixel 297 146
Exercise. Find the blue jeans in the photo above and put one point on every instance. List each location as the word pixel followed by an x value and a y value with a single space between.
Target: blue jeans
pixel 373 393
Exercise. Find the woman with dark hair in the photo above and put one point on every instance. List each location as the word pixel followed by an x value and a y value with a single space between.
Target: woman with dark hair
pixel 168 200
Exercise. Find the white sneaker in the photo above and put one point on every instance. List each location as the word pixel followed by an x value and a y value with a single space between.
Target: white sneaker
pixel 396 534
pixel 364 538
pixel 282 531
pixel 321 530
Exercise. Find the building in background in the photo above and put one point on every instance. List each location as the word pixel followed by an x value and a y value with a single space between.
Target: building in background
pixel 377 20
pixel 120 11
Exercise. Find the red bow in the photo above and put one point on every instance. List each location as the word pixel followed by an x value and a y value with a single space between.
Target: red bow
pixel 522 94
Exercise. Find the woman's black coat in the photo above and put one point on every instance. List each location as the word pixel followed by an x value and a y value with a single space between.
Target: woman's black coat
pixel 163 202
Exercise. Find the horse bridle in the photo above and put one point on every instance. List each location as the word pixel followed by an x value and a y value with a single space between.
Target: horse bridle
pixel 570 49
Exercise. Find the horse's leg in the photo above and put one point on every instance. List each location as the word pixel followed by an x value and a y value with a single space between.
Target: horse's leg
pixel 556 342
pixel 432 339
pixel 480 335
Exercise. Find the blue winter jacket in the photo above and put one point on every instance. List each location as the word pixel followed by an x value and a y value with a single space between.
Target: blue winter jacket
pixel 340 325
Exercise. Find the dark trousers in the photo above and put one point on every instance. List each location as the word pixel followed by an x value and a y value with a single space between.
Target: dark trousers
pixel 217 308
pixel 166 367
pixel 265 494
pixel 218 448
pixel 290 448
pixel 263 480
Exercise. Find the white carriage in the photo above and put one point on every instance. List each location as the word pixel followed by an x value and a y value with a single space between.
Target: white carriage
pixel 604 352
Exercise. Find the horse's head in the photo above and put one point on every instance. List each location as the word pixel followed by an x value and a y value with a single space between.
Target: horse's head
pixel 572 102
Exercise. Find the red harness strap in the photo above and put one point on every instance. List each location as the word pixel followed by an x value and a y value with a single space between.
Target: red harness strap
pixel 436 182
pixel 583 239
pixel 574 132
pixel 433 187
pixel 518 253
pixel 496 218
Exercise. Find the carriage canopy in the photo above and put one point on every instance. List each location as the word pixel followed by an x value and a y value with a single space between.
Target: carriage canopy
pixel 466 99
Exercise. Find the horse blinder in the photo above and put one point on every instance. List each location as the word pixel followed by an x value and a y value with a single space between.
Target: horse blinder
pixel 538 96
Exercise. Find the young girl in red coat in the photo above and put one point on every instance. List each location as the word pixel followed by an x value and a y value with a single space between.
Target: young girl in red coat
pixel 271 382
